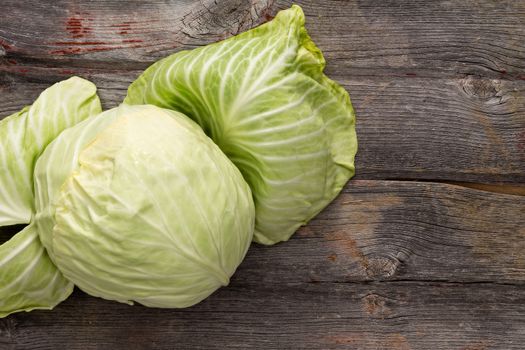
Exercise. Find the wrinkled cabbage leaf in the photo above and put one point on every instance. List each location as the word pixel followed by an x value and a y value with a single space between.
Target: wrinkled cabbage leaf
pixel 29 280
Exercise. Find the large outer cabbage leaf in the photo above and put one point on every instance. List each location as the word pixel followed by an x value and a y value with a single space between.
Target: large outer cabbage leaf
pixel 138 204
pixel 28 279
pixel 25 134
pixel 263 98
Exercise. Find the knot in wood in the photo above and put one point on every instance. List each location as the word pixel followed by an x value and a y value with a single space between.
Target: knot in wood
pixel 375 306
pixel 381 267
pixel 483 89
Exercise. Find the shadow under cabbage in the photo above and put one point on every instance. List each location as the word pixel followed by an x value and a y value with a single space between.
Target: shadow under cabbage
pixel 6 232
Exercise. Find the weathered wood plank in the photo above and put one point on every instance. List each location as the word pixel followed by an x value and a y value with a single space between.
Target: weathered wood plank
pixel 438 37
pixel 470 128
pixel 378 316
pixel 110 31
pixel 457 129
pixel 430 38
pixel 389 265
pixel 508 189
pixel 393 230
pixel 20 85
pixel 463 127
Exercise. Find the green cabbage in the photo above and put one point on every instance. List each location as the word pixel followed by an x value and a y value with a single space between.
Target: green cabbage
pixel 138 204
pixel 263 98
pixel 29 280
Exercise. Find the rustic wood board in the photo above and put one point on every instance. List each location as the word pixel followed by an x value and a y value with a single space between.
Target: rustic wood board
pixel 439 37
pixel 467 129
pixel 379 316
pixel 389 265
pixel 439 91
pixel 453 74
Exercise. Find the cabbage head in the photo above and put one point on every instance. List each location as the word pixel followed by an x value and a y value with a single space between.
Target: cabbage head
pixel 138 204
pixel 263 98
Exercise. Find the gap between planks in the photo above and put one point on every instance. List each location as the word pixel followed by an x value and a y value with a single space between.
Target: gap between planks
pixel 514 189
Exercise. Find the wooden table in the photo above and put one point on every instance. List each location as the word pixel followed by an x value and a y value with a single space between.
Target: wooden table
pixel 424 249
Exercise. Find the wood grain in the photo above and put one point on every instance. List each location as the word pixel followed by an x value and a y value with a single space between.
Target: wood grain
pixel 465 129
pixel 421 38
pixel 394 230
pixel 110 32
pixel 437 38
pixel 453 74
pixel 375 316
pixel 508 189
pixel 389 265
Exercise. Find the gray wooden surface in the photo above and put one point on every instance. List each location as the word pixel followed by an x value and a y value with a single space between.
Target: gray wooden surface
pixel 425 249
